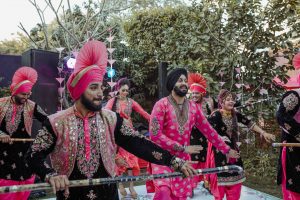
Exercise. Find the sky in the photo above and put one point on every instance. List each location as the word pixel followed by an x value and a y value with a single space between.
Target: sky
pixel 12 12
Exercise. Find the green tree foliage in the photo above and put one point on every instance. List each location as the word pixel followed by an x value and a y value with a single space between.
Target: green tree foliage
pixel 4 91
pixel 209 37
pixel 15 46
pixel 220 36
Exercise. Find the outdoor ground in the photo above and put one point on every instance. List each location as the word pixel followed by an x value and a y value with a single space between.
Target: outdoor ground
pixel 265 185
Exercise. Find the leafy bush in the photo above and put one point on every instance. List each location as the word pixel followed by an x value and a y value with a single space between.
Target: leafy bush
pixel 4 91
pixel 260 159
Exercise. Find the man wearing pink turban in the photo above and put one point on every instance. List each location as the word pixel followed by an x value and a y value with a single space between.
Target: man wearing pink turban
pixel 82 140
pixel 16 116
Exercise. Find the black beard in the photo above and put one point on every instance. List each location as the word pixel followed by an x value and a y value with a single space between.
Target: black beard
pixel 18 100
pixel 89 104
pixel 179 92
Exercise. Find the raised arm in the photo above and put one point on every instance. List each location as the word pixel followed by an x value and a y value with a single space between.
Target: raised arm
pixel 137 108
pixel 252 126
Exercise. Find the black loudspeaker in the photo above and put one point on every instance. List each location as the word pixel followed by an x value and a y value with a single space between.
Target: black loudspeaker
pixel 162 76
pixel 45 91
pixel 8 65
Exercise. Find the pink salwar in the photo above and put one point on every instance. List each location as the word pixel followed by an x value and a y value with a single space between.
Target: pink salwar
pixel 164 193
pixel 198 179
pixel 210 163
pixel 16 195
pixel 232 192
pixel 287 194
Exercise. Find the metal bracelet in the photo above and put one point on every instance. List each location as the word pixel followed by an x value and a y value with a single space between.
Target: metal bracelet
pixel 48 176
pixel 184 148
pixel 2 133
pixel 177 163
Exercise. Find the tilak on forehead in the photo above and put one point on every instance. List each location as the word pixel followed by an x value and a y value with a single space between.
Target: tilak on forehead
pixel 90 67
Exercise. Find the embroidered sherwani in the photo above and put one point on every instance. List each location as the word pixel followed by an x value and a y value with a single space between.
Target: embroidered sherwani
pixel 82 154
pixel 125 108
pixel 288 117
pixel 171 129
pixel 16 121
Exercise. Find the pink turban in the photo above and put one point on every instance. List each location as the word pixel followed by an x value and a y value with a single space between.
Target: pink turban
pixel 23 80
pixel 90 67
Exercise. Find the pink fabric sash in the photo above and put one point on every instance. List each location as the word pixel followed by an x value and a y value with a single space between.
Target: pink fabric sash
pixel 87 138
pixel 14 113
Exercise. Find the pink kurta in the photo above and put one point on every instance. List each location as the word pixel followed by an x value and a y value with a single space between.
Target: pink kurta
pixel 125 109
pixel 171 129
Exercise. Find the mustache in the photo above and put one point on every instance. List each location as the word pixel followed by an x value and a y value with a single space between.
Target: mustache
pixel 183 86
pixel 97 99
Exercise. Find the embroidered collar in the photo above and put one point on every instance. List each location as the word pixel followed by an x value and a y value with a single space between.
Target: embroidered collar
pixel 78 114
pixel 181 114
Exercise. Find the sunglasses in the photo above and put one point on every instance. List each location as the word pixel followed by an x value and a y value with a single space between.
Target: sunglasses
pixel 124 90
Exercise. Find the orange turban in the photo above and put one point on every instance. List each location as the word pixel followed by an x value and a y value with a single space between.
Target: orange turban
pixel 197 83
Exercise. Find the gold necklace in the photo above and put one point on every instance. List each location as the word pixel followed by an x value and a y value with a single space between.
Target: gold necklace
pixel 226 113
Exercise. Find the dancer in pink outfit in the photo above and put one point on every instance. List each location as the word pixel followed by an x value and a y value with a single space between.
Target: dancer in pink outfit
pixel 172 120
pixel 124 105
pixel 16 117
